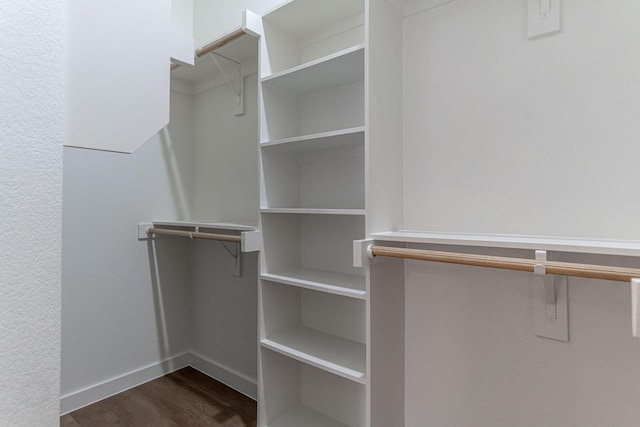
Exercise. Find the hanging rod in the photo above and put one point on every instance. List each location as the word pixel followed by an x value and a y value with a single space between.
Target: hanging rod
pixel 195 235
pixel 619 274
pixel 215 45
pixel 220 42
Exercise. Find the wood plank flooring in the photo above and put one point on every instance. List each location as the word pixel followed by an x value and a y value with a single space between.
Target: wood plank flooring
pixel 183 398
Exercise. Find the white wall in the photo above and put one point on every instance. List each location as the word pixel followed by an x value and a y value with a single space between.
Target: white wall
pixel 223 308
pixel 225 154
pixel 488 112
pixel 507 135
pixel 182 16
pixel 215 18
pixel 123 310
pixel 31 137
pixel 472 359
pixel 117 52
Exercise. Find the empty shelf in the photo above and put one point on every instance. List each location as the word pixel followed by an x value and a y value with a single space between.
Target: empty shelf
pixel 348 285
pixel 302 416
pixel 319 141
pixel 337 355
pixel 336 70
pixel 313 211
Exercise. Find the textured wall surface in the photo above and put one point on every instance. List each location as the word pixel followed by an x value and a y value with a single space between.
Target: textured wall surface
pixel 31 137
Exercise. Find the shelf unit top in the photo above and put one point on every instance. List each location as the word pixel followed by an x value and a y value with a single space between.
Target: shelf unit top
pixel 332 71
pixel 302 17
pixel 602 247
pixel 205 224
pixel 319 141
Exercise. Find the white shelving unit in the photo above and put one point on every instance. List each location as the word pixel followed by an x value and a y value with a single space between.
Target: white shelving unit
pixel 324 145
pixel 312 157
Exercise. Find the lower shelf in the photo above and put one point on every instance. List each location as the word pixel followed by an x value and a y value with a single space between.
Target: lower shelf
pixel 302 416
pixel 337 355
pixel 296 394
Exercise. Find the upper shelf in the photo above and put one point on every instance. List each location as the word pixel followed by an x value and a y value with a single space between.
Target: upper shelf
pixel 206 224
pixel 335 70
pixel 250 238
pixel 603 247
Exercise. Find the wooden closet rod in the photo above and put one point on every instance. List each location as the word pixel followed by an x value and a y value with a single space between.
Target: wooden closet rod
pixel 214 45
pixel 195 235
pixel 619 274
pixel 220 42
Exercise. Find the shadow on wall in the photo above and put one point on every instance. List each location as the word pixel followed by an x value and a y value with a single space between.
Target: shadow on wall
pixel 169 268
pixel 202 308
pixel 173 158
pixel 224 309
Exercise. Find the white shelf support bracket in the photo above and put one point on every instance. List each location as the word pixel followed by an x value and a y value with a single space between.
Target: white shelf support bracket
pixel 143 230
pixel 550 302
pixel 251 241
pixel 238 108
pixel 549 288
pixel 635 304
pixel 361 253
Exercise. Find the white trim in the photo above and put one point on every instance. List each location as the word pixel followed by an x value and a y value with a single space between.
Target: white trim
pixel 229 377
pixel 81 398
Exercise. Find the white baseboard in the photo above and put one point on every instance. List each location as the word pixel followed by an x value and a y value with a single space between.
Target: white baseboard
pixel 237 381
pixel 224 374
pixel 81 398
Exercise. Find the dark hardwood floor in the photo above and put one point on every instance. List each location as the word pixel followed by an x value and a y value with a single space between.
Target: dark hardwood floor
pixel 183 398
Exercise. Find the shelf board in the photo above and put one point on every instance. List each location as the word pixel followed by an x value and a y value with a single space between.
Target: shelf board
pixel 205 224
pixel 603 247
pixel 347 285
pixel 319 141
pixel 313 211
pixel 302 416
pixel 332 71
pixel 337 355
